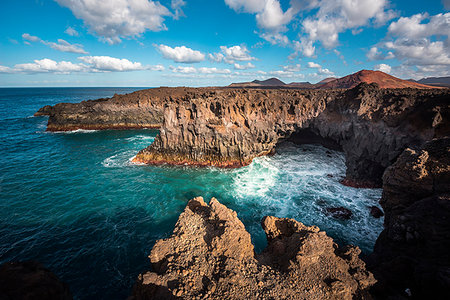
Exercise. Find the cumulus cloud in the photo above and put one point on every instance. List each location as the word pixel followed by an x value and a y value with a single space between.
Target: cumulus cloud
pixel 420 41
pixel 107 63
pixel 202 70
pixel 269 14
pixel 49 66
pixel 180 54
pixel 116 19
pixel 61 45
pixel 232 54
pixel 320 70
pixel 336 16
pixel 383 68
pixel 305 47
pixel 70 31
pixel 244 67
pixel 375 54
pixel 89 64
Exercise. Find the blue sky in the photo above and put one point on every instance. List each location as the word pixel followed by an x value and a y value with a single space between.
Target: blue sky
pixel 216 42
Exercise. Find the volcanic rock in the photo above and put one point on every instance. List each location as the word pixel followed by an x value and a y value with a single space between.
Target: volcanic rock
pixel 382 79
pixel 30 280
pixel 412 252
pixel 210 256
pixel 339 212
pixel 376 212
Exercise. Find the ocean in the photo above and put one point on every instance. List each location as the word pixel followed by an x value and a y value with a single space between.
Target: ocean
pixel 74 201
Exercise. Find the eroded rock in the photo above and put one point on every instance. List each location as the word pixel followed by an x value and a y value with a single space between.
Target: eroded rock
pixel 210 256
pixel 412 252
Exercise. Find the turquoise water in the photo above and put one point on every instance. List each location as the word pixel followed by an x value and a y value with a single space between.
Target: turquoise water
pixel 76 203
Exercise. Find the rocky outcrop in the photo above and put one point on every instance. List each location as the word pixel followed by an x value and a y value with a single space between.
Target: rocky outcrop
pixel 210 256
pixel 228 128
pixel 141 109
pixel 30 280
pixel 411 255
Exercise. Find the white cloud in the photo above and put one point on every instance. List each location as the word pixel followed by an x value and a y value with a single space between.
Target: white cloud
pixel 30 38
pixel 244 67
pixel 320 70
pixel 176 6
pixel 157 68
pixel 383 68
pixel 275 38
pixel 92 64
pixel 49 66
pixel 70 31
pixel 181 54
pixel 202 70
pixel 420 40
pixel 113 20
pixel 64 46
pixel 305 47
pixel 313 65
pixel 232 54
pixel 269 14
pixel 375 54
pixel 107 64
pixel 292 68
pixel 336 16
pixel 61 45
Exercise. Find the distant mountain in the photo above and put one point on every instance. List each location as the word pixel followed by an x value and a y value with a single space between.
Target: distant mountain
pixel 301 85
pixel 435 81
pixel 382 79
pixel 326 80
pixel 271 82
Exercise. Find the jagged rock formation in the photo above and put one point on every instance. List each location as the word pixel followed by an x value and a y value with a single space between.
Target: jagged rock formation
pixel 228 128
pixel 412 252
pixel 141 109
pixel 30 280
pixel 210 256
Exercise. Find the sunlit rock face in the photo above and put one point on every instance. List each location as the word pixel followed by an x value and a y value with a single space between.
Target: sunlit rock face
pixel 228 127
pixel 210 256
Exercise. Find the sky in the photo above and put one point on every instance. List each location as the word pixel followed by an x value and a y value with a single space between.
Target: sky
pixel 146 43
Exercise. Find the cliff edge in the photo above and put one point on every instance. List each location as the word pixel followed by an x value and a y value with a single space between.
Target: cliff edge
pixel 210 256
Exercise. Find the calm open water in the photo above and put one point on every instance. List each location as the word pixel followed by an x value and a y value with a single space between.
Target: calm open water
pixel 74 202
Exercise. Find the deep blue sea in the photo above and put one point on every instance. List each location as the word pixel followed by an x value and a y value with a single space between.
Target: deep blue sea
pixel 74 202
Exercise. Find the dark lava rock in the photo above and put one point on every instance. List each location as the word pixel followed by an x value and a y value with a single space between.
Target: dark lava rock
pixel 376 212
pixel 339 212
pixel 412 252
pixel 30 280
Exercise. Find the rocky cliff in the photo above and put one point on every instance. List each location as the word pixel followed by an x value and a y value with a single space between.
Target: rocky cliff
pixel 141 109
pixel 411 256
pixel 210 256
pixel 229 127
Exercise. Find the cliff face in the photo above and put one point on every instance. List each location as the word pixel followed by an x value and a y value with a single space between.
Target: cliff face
pixel 141 109
pixel 210 256
pixel 228 128
pixel 412 252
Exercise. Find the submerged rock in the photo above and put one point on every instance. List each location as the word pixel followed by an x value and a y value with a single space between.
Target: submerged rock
pixel 412 253
pixel 339 212
pixel 30 280
pixel 210 256
pixel 376 212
